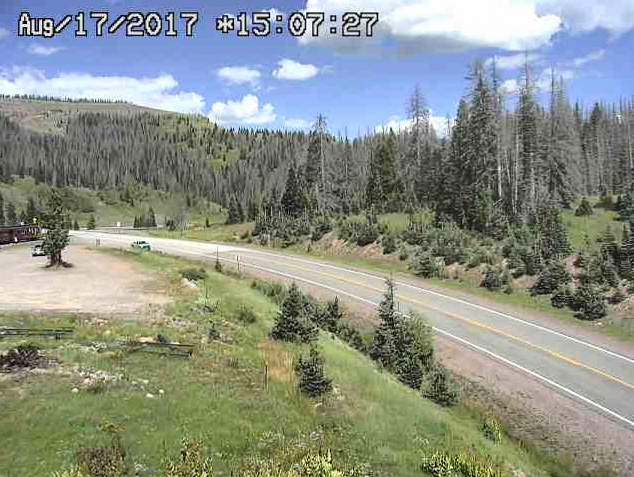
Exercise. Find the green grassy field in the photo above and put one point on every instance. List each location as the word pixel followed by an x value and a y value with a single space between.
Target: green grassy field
pixel 220 393
pixel 107 206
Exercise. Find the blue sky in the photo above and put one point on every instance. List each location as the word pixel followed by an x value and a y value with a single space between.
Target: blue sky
pixel 359 84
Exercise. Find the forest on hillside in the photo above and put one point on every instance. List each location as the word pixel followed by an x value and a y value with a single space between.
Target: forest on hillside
pixel 490 189
pixel 495 166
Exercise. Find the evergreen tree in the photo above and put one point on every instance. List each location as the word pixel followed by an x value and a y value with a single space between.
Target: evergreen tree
pixel 588 302
pixel 439 386
pixel 291 323
pixel 293 199
pixel 528 143
pixel 31 211
pixel 91 224
pixel 373 193
pixel 11 215
pixel 584 208
pixel 233 215
pixel 75 225
pixel 312 378
pixel 551 278
pixel 56 238
pixel 332 316
pixel 386 159
pixel 151 218
pixel 2 221
pixel 384 344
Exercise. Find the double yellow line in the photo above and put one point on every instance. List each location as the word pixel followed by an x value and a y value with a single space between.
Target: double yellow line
pixel 475 323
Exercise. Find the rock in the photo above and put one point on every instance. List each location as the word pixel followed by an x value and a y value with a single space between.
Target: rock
pixel 149 396
pixel 161 391
pixel 75 391
pixel 145 381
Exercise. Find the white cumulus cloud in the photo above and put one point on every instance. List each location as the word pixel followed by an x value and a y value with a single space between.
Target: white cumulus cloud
pixel 395 123
pixel 297 123
pixel 43 50
pixel 445 25
pixel 247 111
pixel 420 26
pixel 513 62
pixel 614 16
pixel 293 70
pixel 593 56
pixel 237 75
pixel 160 92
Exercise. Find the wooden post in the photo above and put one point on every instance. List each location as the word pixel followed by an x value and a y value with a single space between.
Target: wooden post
pixel 266 376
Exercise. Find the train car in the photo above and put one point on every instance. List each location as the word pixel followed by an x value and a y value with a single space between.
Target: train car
pixel 20 233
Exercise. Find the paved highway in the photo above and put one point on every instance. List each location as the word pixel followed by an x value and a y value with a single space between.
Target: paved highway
pixel 596 376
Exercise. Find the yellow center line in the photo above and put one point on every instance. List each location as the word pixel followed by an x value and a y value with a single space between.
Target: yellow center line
pixel 492 329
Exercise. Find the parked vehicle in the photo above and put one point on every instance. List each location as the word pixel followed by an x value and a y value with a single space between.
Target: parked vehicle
pixel 142 245
pixel 38 251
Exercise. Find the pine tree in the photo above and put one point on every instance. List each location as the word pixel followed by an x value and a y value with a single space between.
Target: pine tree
pixel 332 316
pixel 384 344
pixel 151 218
pixel 551 278
pixel 91 224
pixel 312 378
pixel 56 238
pixel 31 211
pixel 2 221
pixel 584 208
pixel 75 225
pixel 528 143
pixel 11 215
pixel 293 200
pixel 291 323
pixel 386 159
pixel 373 194
pixel 439 387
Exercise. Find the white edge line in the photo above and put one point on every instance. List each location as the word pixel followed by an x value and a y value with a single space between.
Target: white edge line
pixel 441 331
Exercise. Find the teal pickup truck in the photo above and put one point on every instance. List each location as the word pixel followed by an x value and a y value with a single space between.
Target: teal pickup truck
pixel 142 245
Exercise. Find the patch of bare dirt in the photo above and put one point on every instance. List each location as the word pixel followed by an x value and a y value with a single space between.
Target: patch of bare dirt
pixel 96 284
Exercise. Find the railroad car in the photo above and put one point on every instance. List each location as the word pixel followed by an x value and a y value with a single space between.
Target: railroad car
pixel 20 233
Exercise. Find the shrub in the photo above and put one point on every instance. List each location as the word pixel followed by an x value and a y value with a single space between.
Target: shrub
pixel 218 265
pixel 192 461
pixel 351 336
pixel 584 208
pixel 389 244
pixel 104 461
pixel 439 386
pixel 276 291
pixel 23 356
pixel 495 278
pixel 553 276
pixel 440 463
pixel 74 471
pixel 194 274
pixel 491 429
pixel 312 378
pixel 562 297
pixel 617 297
pixel 423 265
pixel 246 314
pixel 589 303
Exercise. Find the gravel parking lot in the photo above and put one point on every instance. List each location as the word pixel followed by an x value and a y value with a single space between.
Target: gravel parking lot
pixel 97 283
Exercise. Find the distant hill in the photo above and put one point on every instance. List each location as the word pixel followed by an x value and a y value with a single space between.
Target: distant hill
pixel 51 116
